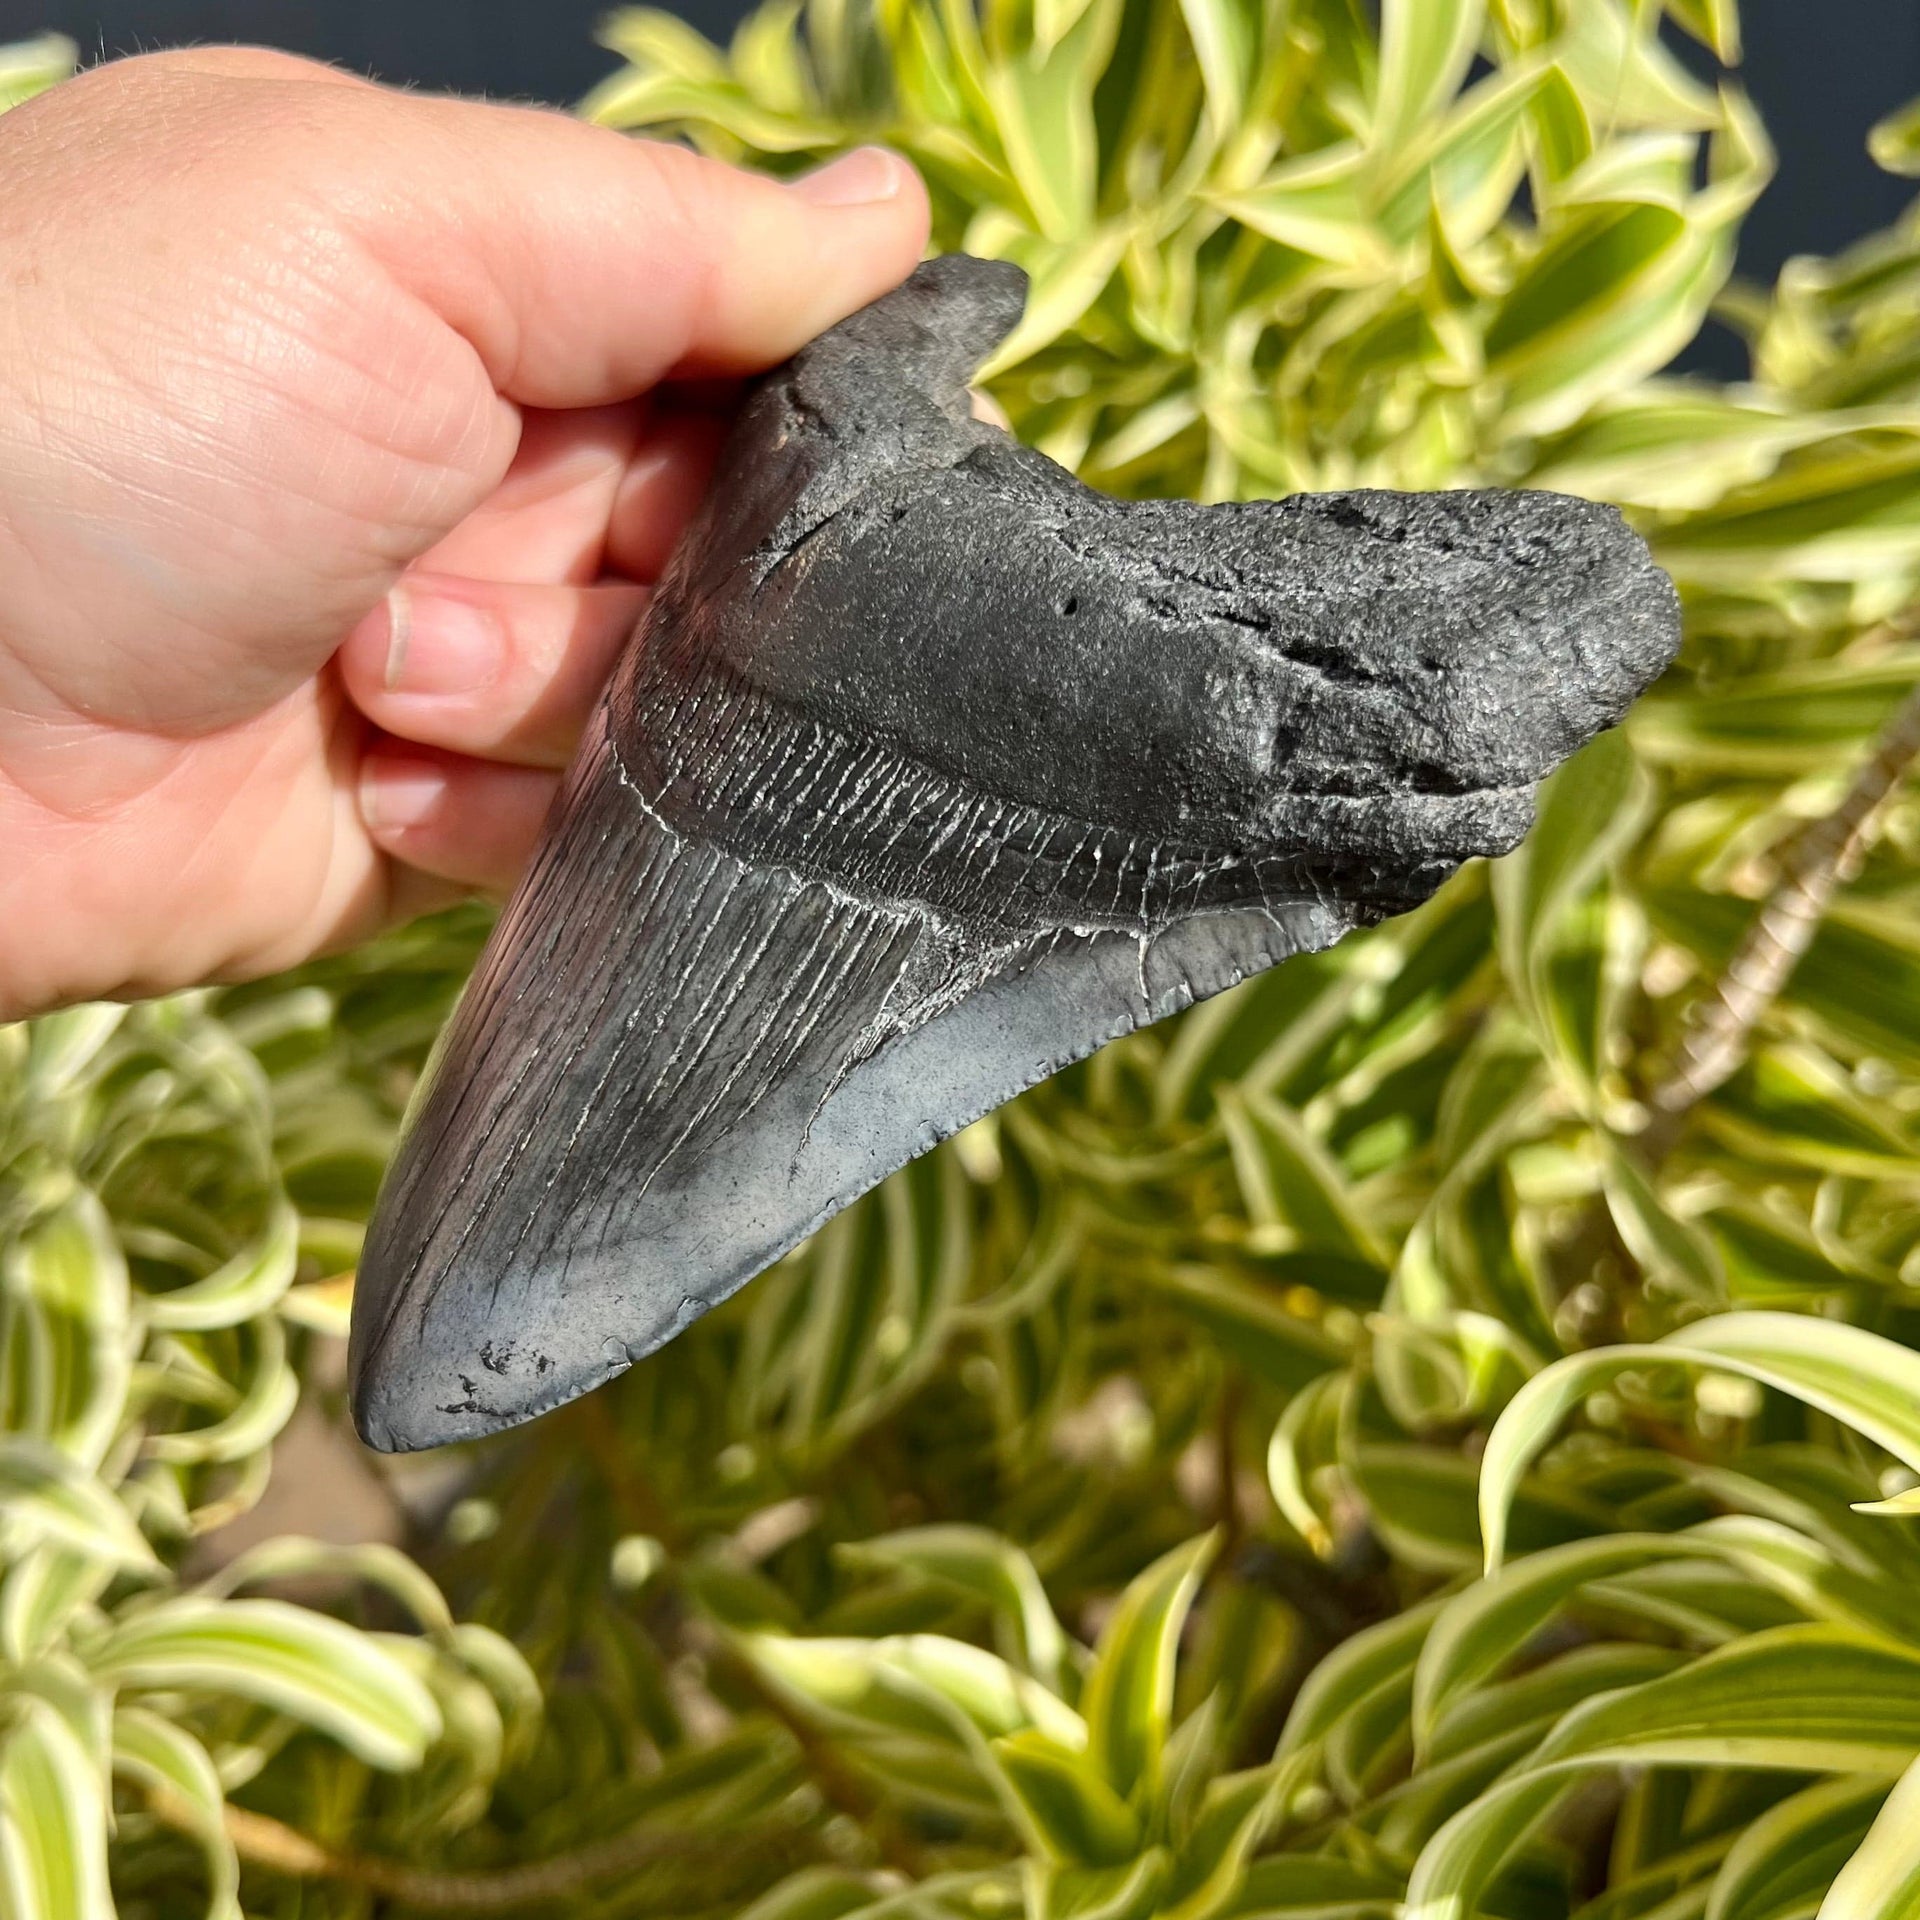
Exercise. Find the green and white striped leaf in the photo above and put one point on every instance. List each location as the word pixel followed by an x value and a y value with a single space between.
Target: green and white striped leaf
pixel 53 1818
pixel 67 1305
pixel 1476 1633
pixel 248 1285
pixel 1882 1880
pixel 169 1762
pixel 47 1497
pixel 328 1676
pixel 1798 1699
pixel 28 67
pixel 1128 1697
pixel 987 1568
pixel 1425 49
pixel 1868 1382
pixel 922 1684
pixel 1061 1799
pixel 1784 1861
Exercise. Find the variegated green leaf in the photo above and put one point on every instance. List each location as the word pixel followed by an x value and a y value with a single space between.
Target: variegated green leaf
pixel 1882 1880
pixel 1128 1697
pixel 169 1762
pixel 1869 1383
pixel 980 1564
pixel 47 1497
pixel 65 1296
pixel 1074 1816
pixel 1425 47
pixel 53 1818
pixel 28 67
pixel 302 1664
pixel 1476 1633
pixel 1780 1864
pixel 248 1285
pixel 1797 1698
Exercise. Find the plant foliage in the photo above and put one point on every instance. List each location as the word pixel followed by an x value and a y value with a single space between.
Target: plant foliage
pixel 1433 1433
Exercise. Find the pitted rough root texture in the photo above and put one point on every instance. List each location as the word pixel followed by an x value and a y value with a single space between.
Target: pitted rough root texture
pixel 928 771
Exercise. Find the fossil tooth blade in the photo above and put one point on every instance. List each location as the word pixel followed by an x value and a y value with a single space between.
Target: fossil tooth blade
pixel 930 771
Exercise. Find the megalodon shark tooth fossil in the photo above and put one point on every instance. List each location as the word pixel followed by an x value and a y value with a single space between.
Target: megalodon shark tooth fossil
pixel 928 771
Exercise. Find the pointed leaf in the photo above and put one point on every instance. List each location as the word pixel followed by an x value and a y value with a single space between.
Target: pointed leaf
pixel 46 1495
pixel 313 1669
pixel 53 1820
pixel 169 1760
pixel 987 1567
pixel 1426 47
pixel 1294 1189
pixel 1894 141
pixel 1795 1698
pixel 1780 1864
pixel 1869 1382
pixel 1074 1816
pixel 1479 1630
pixel 1882 1880
pixel 1128 1697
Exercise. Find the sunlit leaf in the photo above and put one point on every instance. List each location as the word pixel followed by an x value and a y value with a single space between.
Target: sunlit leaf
pixel 169 1761
pixel 47 1496
pixel 1784 1859
pixel 301 1664
pixel 1485 1626
pixel 1796 1698
pixel 1894 140
pixel 1128 1697
pixel 1315 205
pixel 1074 1814
pixel 1425 46
pixel 976 1562
pixel 53 1841
pixel 1882 1880
pixel 66 1362
pixel 28 67
pixel 923 1684
pixel 1869 1383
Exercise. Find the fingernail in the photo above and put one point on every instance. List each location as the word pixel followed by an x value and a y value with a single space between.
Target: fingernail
pixel 856 179
pixel 438 644
pixel 397 794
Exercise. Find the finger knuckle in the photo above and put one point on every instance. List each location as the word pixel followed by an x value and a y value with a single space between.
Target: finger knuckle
pixel 685 213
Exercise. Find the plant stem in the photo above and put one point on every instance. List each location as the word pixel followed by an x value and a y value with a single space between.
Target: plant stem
pixel 1820 860
pixel 270 1843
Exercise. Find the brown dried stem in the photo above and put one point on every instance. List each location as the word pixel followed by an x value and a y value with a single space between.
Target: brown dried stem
pixel 1819 861
pixel 270 1843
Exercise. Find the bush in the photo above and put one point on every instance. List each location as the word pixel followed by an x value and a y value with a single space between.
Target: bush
pixel 1430 1431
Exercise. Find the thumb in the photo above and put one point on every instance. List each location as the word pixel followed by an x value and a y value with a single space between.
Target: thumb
pixel 284 322
pixel 583 265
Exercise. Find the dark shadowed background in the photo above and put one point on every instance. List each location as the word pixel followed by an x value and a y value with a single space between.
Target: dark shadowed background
pixel 1822 72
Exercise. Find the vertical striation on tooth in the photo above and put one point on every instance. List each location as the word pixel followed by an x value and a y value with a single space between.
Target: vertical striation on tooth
pixel 928 771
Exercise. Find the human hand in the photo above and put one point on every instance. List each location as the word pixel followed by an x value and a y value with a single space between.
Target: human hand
pixel 330 485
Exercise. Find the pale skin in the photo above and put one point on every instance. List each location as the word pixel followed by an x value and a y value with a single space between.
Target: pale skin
pixel 341 432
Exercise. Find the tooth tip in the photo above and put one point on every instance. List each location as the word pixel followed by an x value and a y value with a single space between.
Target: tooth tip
pixel 422 1379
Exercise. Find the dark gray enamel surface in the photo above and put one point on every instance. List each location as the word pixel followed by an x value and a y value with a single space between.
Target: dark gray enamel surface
pixel 929 772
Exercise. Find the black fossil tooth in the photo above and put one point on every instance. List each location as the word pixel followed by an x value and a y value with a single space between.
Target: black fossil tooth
pixel 929 771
